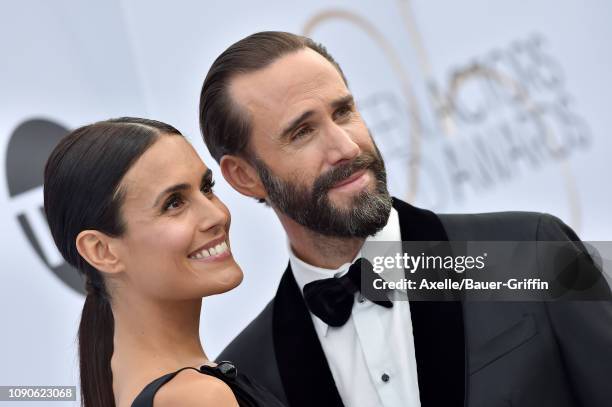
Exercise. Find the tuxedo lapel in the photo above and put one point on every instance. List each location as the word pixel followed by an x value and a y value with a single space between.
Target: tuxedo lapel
pixel 437 329
pixel 437 325
pixel 302 365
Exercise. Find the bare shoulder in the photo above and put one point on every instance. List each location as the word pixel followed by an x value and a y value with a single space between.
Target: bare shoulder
pixel 192 388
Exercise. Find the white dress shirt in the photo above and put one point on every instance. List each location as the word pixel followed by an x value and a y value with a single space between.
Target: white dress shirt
pixel 371 357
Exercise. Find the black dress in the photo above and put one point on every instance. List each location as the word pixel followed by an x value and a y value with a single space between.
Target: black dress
pixel 248 393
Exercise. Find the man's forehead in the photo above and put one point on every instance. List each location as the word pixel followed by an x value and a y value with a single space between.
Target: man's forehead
pixel 287 83
pixel 300 71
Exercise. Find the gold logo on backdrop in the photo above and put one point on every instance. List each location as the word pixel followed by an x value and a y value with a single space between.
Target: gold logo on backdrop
pixel 445 101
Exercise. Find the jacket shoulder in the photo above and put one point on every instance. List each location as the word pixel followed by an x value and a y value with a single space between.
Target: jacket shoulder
pixel 512 225
pixel 254 355
pixel 243 348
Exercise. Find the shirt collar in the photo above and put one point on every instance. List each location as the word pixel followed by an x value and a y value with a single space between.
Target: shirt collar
pixel 305 273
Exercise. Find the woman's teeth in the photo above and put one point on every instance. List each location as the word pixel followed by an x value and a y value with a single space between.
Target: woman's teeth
pixel 212 251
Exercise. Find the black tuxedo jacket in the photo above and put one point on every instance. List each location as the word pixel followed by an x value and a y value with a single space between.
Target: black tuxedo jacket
pixel 479 354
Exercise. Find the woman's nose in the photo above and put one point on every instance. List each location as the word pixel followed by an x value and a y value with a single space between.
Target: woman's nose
pixel 213 213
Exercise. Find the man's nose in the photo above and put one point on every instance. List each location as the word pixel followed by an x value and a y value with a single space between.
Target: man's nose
pixel 340 145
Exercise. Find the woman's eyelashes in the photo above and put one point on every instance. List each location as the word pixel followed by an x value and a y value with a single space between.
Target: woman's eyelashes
pixel 207 187
pixel 176 201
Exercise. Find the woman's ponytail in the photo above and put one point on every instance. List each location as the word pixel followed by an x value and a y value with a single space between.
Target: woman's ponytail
pixel 82 192
pixel 96 332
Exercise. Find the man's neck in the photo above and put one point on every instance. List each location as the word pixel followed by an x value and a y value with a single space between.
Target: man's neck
pixel 319 250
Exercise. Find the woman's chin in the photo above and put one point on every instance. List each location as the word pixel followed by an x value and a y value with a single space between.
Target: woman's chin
pixel 226 280
pixel 238 276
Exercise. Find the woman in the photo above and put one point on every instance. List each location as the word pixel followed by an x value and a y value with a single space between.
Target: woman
pixel 131 206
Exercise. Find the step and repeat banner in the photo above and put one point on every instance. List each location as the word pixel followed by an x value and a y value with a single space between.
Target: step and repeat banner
pixel 476 106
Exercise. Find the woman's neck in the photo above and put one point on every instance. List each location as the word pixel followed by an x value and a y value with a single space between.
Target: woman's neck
pixel 157 333
pixel 151 339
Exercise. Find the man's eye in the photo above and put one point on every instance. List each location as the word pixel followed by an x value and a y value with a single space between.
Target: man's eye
pixel 174 202
pixel 342 112
pixel 302 132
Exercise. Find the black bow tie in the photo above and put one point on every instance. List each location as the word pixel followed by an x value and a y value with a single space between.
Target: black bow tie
pixel 331 299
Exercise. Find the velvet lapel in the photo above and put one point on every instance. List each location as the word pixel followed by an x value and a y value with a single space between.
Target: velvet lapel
pixel 302 365
pixel 437 326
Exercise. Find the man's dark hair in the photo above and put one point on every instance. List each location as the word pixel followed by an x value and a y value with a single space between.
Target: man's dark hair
pixel 225 127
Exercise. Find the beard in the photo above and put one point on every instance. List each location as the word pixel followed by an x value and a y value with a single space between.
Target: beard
pixel 366 214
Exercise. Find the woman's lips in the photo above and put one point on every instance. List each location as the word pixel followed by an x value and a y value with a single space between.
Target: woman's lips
pixel 216 257
pixel 216 250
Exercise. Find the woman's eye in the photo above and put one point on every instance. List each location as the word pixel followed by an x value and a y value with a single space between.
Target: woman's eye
pixel 174 202
pixel 208 188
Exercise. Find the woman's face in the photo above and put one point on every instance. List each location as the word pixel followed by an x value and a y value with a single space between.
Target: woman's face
pixel 176 243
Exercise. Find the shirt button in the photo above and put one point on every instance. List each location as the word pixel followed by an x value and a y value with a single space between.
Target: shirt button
pixel 385 377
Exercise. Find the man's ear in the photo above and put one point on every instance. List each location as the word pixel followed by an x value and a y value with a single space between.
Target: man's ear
pixel 242 176
pixel 100 251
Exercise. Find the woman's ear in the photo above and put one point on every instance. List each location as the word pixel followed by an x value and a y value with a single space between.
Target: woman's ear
pixel 100 251
pixel 242 176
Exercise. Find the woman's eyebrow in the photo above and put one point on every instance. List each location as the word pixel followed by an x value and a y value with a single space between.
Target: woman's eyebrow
pixel 206 179
pixel 169 190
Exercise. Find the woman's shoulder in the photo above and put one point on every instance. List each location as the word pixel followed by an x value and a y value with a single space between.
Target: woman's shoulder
pixel 192 388
pixel 185 387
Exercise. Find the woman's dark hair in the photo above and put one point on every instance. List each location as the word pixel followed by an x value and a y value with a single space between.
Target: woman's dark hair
pixel 225 128
pixel 81 192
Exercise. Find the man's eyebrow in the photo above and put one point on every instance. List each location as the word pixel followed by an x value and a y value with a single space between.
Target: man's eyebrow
pixel 343 101
pixel 206 179
pixel 346 100
pixel 294 123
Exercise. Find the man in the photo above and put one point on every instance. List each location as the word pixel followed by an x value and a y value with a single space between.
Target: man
pixel 276 113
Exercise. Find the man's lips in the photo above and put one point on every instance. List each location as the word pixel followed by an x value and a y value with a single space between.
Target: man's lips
pixel 350 179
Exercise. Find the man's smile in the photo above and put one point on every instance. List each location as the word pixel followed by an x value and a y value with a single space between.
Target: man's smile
pixel 357 181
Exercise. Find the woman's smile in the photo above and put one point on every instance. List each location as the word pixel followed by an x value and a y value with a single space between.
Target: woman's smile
pixel 213 251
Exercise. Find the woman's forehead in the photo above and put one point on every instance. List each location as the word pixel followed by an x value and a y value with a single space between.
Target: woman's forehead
pixel 170 160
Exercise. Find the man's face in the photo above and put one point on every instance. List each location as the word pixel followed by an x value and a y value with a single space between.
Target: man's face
pixel 312 150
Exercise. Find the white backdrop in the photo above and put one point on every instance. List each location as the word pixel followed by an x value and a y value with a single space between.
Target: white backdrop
pixel 476 105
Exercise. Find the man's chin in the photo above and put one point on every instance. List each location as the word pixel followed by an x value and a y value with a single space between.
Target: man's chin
pixel 341 200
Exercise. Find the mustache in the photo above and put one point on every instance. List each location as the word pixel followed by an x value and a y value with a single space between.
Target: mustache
pixel 326 181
